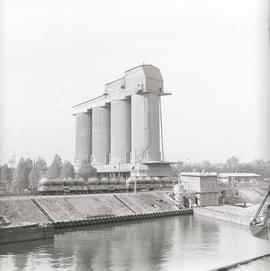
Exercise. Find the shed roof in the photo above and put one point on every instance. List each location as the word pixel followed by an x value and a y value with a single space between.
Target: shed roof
pixel 240 174
pixel 199 174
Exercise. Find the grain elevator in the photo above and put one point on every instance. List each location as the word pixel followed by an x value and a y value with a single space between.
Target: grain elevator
pixel 120 131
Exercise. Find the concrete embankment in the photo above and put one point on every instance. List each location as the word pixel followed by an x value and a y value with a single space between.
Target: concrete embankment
pixel 18 211
pixel 89 209
pixel 228 213
pixel 253 195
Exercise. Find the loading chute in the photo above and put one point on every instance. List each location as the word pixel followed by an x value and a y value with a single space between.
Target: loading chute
pixel 260 225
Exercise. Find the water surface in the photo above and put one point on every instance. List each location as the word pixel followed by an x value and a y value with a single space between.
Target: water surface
pixel 175 243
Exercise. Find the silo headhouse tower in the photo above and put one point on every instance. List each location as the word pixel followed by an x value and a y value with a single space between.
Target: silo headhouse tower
pixel 120 132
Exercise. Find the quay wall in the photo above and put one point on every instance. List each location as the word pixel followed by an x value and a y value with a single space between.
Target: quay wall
pixel 23 233
pixel 228 213
pixel 52 209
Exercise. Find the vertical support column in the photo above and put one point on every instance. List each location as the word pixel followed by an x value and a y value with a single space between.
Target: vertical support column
pixel 120 131
pixel 161 131
pixel 101 135
pixel 138 125
pixel 83 137
pixel 153 104
pixel 145 126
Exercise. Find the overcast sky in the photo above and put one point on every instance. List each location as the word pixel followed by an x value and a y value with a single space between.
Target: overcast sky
pixel 212 54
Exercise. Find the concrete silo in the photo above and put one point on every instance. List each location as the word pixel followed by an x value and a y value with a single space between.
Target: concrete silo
pixel 101 135
pixel 83 136
pixel 126 124
pixel 120 131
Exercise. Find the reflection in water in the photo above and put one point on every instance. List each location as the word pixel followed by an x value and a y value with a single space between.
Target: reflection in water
pixel 24 247
pixel 17 256
pixel 127 247
pixel 190 243
pixel 20 261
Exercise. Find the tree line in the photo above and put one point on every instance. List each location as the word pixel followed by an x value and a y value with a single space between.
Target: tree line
pixel 28 172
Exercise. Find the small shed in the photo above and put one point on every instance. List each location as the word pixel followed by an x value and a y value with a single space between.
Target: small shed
pixel 204 185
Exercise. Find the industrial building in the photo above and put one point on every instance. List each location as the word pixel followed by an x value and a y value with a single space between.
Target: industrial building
pixel 120 131
pixel 203 185
pixel 240 179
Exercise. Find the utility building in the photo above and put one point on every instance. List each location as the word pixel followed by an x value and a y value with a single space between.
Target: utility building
pixel 120 132
pixel 204 185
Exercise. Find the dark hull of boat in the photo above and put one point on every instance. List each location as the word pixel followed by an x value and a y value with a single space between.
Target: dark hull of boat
pixel 260 231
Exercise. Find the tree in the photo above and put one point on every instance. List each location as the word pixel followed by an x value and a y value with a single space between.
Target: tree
pixel 177 168
pixel 86 170
pixel 258 164
pixel 54 170
pixel 37 172
pixel 6 174
pixel 267 169
pixel 22 173
pixel 206 165
pixel 67 170
pixel 19 173
pixel 232 163
pixel 246 167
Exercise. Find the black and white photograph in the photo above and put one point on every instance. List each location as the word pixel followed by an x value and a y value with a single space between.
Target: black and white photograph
pixel 134 135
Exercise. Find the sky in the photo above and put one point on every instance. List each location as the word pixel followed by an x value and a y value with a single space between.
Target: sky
pixel 213 56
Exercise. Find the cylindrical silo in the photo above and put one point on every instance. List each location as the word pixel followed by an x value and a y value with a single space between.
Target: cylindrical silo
pixel 101 135
pixel 83 137
pixel 120 131
pixel 145 126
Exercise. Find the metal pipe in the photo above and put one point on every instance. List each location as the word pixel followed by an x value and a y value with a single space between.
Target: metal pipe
pixel 161 131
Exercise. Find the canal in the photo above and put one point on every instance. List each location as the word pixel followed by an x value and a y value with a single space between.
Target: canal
pixel 174 243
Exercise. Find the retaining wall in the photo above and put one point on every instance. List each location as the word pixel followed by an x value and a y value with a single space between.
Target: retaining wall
pixel 116 219
pixel 228 213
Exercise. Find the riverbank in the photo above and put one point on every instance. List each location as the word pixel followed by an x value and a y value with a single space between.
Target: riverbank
pixel 84 210
pixel 229 213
